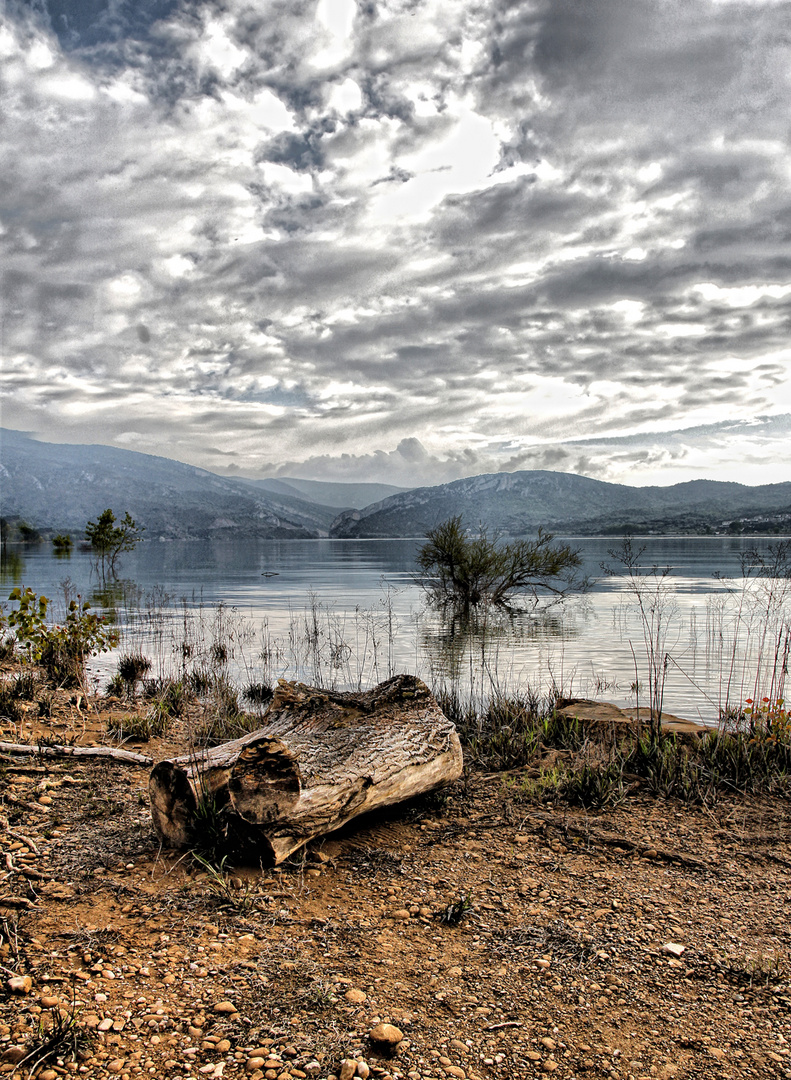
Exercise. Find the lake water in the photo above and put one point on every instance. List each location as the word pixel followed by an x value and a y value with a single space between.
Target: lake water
pixel 348 614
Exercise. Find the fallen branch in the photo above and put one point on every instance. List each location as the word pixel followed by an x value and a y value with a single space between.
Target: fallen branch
pixel 126 756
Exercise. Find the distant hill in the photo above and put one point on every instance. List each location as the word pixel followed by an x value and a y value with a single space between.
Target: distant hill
pixel 59 487
pixel 517 503
pixel 341 496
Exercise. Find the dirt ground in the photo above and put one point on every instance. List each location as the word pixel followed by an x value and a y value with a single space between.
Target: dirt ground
pixel 502 939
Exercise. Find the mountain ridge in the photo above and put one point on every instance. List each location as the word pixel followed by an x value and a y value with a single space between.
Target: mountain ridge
pixel 60 486
pixel 520 502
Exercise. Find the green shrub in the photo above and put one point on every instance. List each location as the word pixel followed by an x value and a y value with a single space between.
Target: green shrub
pixel 62 650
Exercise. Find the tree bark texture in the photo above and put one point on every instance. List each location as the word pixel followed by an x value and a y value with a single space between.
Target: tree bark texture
pixel 320 759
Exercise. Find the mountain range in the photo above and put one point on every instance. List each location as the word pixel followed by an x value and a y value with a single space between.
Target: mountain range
pixel 519 502
pixel 59 487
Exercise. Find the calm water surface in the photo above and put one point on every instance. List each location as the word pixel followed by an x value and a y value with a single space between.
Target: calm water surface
pixel 347 613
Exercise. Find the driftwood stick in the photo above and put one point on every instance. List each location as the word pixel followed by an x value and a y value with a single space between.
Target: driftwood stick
pixel 127 756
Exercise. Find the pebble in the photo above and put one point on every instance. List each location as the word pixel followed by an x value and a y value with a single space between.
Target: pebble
pixel 357 997
pixel 348 1069
pixel 20 984
pixel 386 1035
pixel 672 949
pixel 225 1007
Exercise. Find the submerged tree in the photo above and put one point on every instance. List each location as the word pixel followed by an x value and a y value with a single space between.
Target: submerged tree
pixel 469 571
pixel 109 540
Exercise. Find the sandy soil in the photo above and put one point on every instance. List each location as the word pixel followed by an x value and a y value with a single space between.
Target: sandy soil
pixel 652 940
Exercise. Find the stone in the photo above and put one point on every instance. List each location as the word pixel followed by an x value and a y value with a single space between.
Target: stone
pixel 14 1054
pixel 225 1007
pixel 20 984
pixel 386 1035
pixel 348 1069
pixel 549 1065
pixel 670 948
pixel 363 1070
pixel 357 997
pixel 253 1064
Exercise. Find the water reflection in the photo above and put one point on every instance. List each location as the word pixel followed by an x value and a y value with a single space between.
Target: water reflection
pixel 12 565
pixel 456 641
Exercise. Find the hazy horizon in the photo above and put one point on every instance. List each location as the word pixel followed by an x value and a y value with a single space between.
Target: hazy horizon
pixel 362 482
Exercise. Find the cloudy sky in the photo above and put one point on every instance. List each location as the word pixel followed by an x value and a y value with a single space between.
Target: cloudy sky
pixel 401 240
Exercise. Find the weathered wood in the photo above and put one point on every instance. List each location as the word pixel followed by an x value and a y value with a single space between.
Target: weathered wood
pixel 126 756
pixel 321 759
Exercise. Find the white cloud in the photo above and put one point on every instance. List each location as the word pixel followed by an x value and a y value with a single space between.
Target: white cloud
pixel 332 230
pixel 741 295
pixel 69 85
pixel 218 51
pixel 346 97
pixel 337 19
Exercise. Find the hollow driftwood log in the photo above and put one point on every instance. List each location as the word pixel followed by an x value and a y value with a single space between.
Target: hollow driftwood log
pixel 321 759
